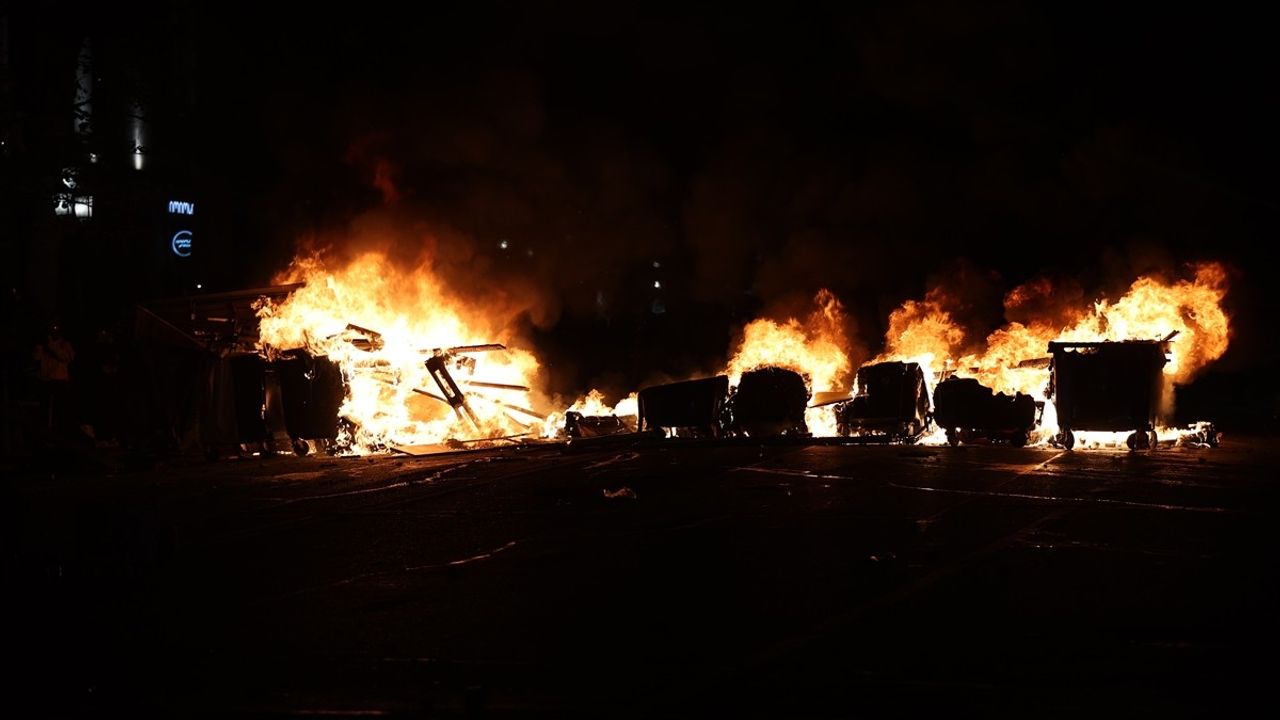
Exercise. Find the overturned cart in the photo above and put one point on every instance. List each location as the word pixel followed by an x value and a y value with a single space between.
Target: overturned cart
pixel 969 410
pixel 892 403
pixel 1108 386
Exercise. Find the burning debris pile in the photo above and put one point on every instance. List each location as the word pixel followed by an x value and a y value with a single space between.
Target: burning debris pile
pixel 418 368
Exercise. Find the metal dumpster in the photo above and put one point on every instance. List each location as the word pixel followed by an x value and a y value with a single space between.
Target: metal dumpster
pixel 892 403
pixel 237 400
pixel 1110 386
pixel 969 410
pixel 769 401
pixel 692 408
pixel 311 391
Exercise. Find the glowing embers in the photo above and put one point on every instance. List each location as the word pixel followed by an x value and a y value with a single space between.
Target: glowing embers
pixel 415 361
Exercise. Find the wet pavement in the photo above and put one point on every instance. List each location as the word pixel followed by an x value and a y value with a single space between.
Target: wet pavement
pixel 651 579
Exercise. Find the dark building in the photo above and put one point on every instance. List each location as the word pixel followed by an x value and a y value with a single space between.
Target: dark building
pixel 103 208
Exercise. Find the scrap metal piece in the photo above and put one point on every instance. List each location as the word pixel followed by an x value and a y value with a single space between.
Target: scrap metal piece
pixel 510 406
pixel 457 349
pixel 829 397
pixel 497 386
pixel 431 395
pixel 577 425
pixel 453 395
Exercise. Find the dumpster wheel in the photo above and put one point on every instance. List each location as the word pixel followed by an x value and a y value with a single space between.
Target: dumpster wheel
pixel 1067 439
pixel 300 447
pixel 1139 440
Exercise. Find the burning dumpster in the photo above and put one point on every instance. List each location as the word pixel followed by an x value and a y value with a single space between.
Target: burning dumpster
pixel 1110 386
pixel 968 410
pixel 578 425
pixel 690 408
pixel 891 402
pixel 769 401
pixel 311 391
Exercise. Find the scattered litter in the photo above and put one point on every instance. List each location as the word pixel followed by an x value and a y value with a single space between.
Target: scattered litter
pixel 622 492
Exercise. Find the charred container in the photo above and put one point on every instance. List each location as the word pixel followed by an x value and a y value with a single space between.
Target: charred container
pixel 969 410
pixel 769 401
pixel 693 408
pixel 577 425
pixel 1109 386
pixel 892 403
pixel 311 392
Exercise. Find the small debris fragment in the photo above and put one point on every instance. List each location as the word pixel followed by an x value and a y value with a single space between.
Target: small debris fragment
pixel 622 492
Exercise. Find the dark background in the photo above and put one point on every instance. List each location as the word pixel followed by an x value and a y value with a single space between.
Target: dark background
pixel 755 154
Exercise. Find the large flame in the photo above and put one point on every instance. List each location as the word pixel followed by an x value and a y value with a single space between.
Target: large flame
pixel 392 399
pixel 815 348
pixel 1014 357
pixel 389 399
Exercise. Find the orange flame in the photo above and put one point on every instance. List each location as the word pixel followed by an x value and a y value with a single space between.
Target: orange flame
pixel 415 316
pixel 814 348
pixel 593 403
pixel 1152 308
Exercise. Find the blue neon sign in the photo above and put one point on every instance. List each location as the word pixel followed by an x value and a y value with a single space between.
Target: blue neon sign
pixel 181 243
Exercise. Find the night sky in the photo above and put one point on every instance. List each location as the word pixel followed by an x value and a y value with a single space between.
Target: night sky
pixel 755 154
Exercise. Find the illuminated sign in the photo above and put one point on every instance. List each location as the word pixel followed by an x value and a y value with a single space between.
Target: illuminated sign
pixel 181 207
pixel 181 243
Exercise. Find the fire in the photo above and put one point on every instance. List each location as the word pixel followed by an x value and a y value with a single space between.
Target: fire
pixel 1152 309
pixel 593 403
pixel 381 323
pixel 391 397
pixel 814 348
pixel 1014 358
pixel 922 328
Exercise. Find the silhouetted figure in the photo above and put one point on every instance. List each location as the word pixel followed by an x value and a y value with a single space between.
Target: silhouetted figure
pixel 53 359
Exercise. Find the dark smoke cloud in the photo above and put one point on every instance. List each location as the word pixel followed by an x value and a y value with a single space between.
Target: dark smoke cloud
pixel 757 157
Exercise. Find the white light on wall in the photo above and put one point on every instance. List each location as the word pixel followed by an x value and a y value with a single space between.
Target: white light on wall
pixel 83 206
pixel 137 159
pixel 68 205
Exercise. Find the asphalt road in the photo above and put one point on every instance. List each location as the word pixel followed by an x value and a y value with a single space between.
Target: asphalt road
pixel 650 580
